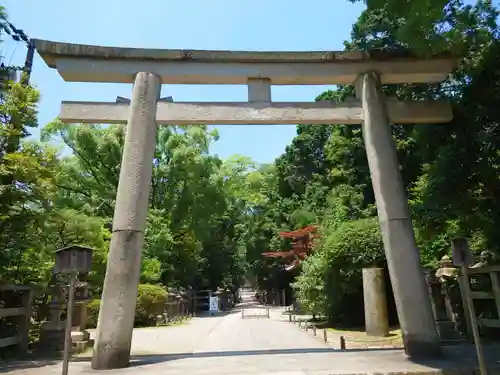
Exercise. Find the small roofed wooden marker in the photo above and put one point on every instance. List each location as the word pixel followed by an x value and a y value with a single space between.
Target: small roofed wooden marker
pixel 71 260
pixel 74 258
pixel 148 69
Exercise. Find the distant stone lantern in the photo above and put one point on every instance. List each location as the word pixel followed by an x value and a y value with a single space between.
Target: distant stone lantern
pixel 72 260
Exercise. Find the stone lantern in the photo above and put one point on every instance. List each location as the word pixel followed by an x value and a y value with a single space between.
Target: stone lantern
pixel 69 260
pixel 52 329
pixel 447 322
pixel 447 268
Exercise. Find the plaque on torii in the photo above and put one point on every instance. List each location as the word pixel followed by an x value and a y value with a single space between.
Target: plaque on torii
pixel 148 69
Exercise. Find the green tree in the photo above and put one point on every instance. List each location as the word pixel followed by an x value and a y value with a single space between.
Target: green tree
pixel 26 177
pixel 187 240
pixel 330 282
pixel 429 27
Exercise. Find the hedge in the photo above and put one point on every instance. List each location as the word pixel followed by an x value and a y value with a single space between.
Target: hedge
pixel 151 300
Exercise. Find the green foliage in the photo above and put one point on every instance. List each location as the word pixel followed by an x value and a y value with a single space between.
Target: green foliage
pixel 330 282
pixel 450 171
pixel 189 199
pixel 26 178
pixel 150 270
pixel 93 313
pixel 151 301
pixel 429 27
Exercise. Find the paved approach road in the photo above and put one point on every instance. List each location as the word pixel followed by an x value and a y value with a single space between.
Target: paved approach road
pixel 228 345
pixel 211 345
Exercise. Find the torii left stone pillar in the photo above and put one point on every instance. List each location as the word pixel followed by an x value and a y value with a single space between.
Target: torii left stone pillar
pixel 117 311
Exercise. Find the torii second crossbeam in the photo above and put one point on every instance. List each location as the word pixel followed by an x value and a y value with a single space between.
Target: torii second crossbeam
pixel 191 113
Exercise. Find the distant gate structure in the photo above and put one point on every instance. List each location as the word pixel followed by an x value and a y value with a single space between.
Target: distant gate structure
pixel 148 69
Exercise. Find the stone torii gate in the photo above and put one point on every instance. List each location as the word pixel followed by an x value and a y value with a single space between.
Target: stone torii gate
pixel 148 69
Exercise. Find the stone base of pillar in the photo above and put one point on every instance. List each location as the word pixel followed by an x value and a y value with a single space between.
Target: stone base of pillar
pixel 80 346
pixel 80 341
pixel 415 348
pixel 51 339
pixel 79 336
pixel 103 359
pixel 416 319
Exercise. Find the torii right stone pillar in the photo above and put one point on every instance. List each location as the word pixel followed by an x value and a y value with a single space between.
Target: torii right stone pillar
pixel 403 257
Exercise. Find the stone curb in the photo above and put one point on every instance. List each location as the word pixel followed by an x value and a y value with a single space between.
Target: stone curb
pixel 330 344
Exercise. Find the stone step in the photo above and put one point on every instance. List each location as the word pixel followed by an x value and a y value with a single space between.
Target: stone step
pixel 446 324
pixel 459 341
pixel 448 331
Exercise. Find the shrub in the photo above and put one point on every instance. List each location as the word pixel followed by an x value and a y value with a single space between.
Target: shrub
pixel 331 282
pixel 151 301
pixel 93 313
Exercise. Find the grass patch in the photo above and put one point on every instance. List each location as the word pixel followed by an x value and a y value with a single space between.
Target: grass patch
pixel 173 323
pixel 359 335
pixel 87 353
pixel 393 332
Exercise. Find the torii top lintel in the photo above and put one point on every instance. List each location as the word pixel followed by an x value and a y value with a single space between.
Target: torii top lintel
pixel 87 63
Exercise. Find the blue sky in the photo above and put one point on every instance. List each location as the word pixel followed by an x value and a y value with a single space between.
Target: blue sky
pixel 188 24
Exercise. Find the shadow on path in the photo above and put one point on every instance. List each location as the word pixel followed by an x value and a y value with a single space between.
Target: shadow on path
pixel 148 359
pixel 462 358
pixel 27 364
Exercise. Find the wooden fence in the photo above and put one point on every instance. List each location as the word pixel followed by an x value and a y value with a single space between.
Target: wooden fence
pixel 15 315
pixel 485 286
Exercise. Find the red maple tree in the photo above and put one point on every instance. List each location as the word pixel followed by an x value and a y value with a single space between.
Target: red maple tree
pixel 302 244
